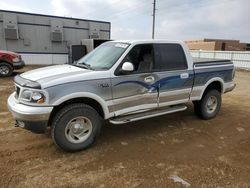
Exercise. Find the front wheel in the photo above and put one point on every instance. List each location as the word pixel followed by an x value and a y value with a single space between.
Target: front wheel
pixel 75 127
pixel 5 69
pixel 209 106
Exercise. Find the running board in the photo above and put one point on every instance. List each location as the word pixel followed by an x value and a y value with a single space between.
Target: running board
pixel 148 114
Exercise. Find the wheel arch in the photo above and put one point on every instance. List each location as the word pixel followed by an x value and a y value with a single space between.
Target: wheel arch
pixel 214 83
pixel 4 61
pixel 87 98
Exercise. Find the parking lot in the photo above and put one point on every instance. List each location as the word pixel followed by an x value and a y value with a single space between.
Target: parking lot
pixel 146 153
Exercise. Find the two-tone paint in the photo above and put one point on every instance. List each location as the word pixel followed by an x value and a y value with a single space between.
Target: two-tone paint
pixel 123 94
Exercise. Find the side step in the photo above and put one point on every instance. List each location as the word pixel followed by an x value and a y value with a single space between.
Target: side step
pixel 148 114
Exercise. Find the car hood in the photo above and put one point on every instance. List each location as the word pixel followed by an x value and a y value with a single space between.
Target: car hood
pixel 60 74
pixel 8 52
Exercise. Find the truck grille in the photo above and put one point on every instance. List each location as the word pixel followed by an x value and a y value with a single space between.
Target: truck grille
pixel 17 92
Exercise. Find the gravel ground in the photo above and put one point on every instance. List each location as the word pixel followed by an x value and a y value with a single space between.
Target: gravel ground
pixel 148 153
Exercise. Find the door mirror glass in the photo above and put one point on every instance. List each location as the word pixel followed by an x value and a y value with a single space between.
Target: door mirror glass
pixel 127 67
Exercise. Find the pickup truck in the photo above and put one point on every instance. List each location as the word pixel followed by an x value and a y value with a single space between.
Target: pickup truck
pixel 121 82
pixel 10 61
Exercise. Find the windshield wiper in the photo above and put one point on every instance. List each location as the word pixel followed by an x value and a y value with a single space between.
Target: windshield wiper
pixel 83 65
pixel 104 68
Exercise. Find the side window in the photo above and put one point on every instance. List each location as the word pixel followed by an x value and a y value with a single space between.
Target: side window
pixel 169 57
pixel 142 57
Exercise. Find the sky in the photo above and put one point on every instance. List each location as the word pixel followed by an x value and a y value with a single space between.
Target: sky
pixel 132 19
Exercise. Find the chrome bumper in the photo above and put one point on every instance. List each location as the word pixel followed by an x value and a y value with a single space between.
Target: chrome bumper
pixel 28 113
pixel 230 87
pixel 18 65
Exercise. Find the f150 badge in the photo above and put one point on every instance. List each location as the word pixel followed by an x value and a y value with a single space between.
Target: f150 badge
pixel 104 85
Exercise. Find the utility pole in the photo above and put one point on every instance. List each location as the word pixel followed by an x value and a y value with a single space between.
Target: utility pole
pixel 153 29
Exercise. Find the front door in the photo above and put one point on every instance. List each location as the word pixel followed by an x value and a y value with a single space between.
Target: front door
pixel 136 91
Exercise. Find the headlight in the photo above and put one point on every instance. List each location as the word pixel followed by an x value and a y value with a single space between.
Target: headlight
pixel 33 96
pixel 36 96
pixel 15 60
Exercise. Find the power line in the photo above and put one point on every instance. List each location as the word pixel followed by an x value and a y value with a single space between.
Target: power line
pixel 116 14
pixel 202 4
pixel 126 14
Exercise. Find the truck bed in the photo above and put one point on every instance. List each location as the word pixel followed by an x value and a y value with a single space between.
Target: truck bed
pixel 206 70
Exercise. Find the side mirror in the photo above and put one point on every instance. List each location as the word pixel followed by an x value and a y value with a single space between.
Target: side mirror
pixel 127 67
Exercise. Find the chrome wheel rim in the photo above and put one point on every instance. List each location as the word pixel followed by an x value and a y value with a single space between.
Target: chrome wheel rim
pixel 78 129
pixel 212 104
pixel 4 70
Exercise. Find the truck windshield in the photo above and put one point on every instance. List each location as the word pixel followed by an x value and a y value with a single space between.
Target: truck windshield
pixel 103 57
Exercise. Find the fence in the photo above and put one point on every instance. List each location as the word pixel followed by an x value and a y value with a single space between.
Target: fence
pixel 239 58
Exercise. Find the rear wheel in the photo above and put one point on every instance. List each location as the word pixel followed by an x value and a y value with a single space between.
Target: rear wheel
pixel 5 69
pixel 75 127
pixel 209 106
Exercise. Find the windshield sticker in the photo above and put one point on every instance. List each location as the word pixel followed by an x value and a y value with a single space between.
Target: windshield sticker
pixel 121 45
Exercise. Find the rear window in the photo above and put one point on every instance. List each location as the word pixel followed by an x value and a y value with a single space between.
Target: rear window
pixel 169 57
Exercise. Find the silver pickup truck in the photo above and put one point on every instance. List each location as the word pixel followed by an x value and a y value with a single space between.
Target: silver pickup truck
pixel 120 81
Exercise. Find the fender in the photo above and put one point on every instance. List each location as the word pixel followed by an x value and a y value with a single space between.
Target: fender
pixel 7 58
pixel 215 79
pixel 4 60
pixel 95 97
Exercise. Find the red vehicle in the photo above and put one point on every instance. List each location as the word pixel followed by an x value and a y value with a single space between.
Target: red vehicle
pixel 10 61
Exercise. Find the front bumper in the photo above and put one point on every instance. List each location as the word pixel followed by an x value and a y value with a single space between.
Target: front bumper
pixel 18 65
pixel 32 118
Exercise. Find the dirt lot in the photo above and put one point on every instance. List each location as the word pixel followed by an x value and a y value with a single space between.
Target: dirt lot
pixel 213 153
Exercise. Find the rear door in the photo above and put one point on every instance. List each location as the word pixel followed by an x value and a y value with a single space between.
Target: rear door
pixel 175 80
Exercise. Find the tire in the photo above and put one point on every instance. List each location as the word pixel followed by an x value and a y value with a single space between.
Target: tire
pixel 5 69
pixel 75 127
pixel 209 106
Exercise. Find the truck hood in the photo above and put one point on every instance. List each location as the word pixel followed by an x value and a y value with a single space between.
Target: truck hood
pixel 60 74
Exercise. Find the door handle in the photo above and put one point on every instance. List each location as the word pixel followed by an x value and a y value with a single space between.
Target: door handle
pixel 184 75
pixel 145 91
pixel 149 79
